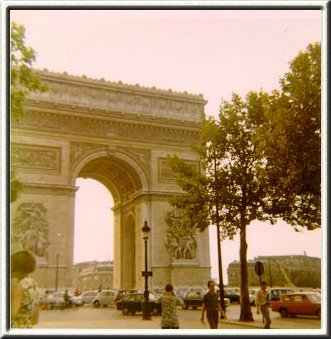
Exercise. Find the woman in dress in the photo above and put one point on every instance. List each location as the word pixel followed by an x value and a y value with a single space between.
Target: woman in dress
pixel 24 291
pixel 169 301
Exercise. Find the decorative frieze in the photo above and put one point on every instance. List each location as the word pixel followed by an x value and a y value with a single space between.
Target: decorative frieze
pixel 34 157
pixel 108 129
pixel 166 174
pixel 80 91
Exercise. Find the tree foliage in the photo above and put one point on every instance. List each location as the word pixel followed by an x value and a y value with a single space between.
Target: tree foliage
pixel 193 203
pixel 23 80
pixel 261 160
pixel 293 142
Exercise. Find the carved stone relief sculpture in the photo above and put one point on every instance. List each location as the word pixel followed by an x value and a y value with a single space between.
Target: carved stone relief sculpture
pixel 180 242
pixel 30 230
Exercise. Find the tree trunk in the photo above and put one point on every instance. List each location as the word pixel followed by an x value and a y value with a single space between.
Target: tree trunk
pixel 245 307
pixel 220 271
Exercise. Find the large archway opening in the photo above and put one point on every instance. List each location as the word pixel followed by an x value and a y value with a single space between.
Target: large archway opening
pixel 106 220
pixel 94 222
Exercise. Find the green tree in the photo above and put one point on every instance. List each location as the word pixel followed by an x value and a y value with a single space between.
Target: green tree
pixel 292 142
pixel 23 80
pixel 234 187
pixel 259 160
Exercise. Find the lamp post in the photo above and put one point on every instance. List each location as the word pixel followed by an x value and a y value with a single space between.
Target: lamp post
pixel 146 306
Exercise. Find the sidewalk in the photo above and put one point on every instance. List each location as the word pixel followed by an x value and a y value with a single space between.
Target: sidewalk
pixel 96 320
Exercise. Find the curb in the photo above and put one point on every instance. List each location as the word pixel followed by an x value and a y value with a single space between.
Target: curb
pixel 249 324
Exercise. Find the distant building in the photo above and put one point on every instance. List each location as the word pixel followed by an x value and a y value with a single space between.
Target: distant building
pixel 286 270
pixel 93 275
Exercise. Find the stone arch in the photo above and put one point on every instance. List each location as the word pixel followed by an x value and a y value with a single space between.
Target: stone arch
pixel 121 137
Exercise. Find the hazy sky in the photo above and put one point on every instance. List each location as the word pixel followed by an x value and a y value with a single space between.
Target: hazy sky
pixel 213 52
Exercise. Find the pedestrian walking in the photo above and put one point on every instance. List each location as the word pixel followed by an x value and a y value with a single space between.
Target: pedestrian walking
pixel 169 301
pixel 24 291
pixel 211 306
pixel 262 303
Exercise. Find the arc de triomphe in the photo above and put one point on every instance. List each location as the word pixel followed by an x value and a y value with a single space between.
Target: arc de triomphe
pixel 119 135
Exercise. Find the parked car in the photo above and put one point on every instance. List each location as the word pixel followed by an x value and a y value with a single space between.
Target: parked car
pixel 275 293
pixel 303 303
pixel 252 296
pixel 232 295
pixel 157 292
pixel 132 303
pixel 77 300
pixel 56 299
pixel 88 296
pixel 194 296
pixel 120 294
pixel 104 298
pixel 180 291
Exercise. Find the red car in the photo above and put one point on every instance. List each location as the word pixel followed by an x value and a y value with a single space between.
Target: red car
pixel 303 303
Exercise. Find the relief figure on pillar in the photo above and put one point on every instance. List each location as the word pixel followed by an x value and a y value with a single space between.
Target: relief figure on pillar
pixel 29 230
pixel 181 243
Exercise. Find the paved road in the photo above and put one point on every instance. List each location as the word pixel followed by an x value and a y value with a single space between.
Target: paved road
pixel 88 317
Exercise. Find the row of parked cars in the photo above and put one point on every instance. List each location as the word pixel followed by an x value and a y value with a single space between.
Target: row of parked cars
pixel 286 301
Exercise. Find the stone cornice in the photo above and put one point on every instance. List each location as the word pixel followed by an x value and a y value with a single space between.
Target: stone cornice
pixel 51 189
pixel 96 95
pixel 119 85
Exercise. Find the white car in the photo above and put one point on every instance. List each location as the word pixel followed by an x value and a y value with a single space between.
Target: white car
pixel 104 298
pixel 88 296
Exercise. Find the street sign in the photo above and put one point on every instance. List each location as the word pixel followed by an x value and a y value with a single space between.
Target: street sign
pixel 259 268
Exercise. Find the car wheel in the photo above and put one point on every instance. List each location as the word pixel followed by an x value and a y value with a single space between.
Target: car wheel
pixel 194 307
pixel 133 312
pixel 96 303
pixel 125 310
pixel 185 307
pixel 318 314
pixel 283 312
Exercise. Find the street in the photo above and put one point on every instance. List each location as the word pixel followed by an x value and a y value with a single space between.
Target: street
pixel 88 317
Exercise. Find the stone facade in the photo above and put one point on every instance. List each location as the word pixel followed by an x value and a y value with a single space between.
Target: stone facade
pixel 121 136
pixel 287 270
pixel 93 275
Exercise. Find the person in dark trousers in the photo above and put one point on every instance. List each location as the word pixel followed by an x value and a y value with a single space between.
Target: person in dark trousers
pixel 262 302
pixel 211 306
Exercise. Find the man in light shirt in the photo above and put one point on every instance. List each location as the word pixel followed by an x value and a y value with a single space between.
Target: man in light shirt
pixel 262 302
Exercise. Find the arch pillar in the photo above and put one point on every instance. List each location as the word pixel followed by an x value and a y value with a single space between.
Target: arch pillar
pixel 45 212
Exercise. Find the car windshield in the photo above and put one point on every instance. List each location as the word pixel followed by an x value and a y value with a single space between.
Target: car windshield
pixel 314 297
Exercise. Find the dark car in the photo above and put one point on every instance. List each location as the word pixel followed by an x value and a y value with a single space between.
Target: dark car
pixel 133 302
pixel 194 296
pixel 120 295
pixel 232 295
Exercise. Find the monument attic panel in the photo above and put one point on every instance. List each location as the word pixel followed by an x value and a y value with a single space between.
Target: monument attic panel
pixel 119 97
